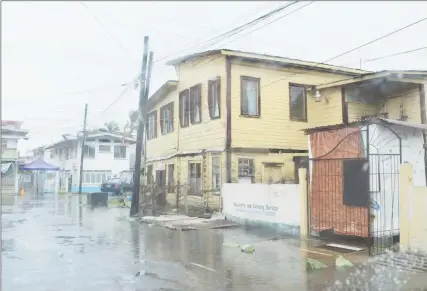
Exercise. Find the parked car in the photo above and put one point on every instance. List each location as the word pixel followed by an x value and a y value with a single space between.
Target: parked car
pixel 117 186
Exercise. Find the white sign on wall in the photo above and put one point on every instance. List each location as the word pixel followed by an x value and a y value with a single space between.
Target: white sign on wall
pixel 276 203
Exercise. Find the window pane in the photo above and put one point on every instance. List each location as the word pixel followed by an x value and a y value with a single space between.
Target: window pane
pixel 250 97
pixel 298 96
pixel 216 173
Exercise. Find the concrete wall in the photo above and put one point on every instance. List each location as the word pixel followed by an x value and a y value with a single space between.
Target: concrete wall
pixel 413 214
pixel 273 205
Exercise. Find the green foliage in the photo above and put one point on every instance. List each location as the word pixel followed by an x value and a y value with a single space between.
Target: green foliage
pixel 112 127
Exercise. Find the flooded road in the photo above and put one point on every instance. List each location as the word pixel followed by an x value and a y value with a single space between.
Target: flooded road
pixel 49 244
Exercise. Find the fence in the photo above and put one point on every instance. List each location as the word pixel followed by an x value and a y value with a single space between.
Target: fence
pixel 181 198
pixel 413 214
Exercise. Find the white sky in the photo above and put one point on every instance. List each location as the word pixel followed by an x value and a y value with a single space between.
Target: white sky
pixel 51 51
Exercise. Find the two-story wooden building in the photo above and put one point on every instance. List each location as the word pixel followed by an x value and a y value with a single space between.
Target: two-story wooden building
pixel 237 117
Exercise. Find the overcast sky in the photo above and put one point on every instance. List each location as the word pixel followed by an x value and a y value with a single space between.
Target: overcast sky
pixel 56 56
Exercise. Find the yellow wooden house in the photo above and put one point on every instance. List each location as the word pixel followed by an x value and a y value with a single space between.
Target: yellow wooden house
pixel 235 116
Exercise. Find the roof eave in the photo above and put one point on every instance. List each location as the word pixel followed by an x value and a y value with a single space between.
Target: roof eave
pixel 186 58
pixel 165 89
pixel 391 75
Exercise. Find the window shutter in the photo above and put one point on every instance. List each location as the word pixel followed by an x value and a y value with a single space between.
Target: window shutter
pixel 172 116
pixel 210 98
pixel 155 124
pixel 218 92
pixel 162 121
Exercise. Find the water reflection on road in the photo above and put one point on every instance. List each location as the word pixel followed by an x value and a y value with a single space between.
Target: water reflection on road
pixel 49 243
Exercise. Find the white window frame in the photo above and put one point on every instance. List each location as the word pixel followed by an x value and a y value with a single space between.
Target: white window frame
pixel 152 125
pixel 118 154
pixel 93 177
pixel 104 150
pixel 86 151
pixel 166 119
pixel 216 172
pixel 244 106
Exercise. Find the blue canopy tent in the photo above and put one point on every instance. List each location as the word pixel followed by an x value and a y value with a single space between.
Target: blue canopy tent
pixel 38 165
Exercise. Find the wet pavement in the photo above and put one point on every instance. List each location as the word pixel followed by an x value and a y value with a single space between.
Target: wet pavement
pixel 50 243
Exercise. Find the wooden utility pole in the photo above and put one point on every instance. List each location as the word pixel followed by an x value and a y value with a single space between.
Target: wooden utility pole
pixel 143 96
pixel 82 154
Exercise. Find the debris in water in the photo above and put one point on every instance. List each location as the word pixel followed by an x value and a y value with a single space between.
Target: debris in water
pixel 315 265
pixel 248 249
pixel 340 261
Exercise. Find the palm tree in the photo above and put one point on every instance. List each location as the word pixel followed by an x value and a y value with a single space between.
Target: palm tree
pixel 132 123
pixel 111 127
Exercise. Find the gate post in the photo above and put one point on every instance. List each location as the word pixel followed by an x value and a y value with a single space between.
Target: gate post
pixel 406 184
pixel 303 193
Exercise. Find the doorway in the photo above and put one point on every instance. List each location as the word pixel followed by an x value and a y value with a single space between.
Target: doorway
pixel 161 186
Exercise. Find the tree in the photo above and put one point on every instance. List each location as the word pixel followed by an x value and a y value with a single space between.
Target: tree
pixel 132 123
pixel 111 127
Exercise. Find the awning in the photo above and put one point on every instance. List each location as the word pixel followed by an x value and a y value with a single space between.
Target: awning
pixel 38 165
pixel 405 123
pixel 5 167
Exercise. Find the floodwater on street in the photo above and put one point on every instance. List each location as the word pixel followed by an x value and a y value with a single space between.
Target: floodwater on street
pixel 49 244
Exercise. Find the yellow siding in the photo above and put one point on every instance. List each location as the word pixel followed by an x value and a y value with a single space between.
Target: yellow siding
pixel 326 112
pixel 209 133
pixel 164 145
pixel 409 102
pixel 259 165
pixel 358 110
pixel 274 129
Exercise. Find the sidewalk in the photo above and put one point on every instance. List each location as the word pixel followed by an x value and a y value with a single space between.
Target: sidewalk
pixel 183 222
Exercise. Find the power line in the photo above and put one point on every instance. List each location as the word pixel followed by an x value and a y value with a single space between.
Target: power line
pixel 396 54
pixel 268 23
pixel 274 20
pixel 349 51
pixel 223 35
pixel 242 27
pixel 388 56
pixel 102 26
pixel 377 39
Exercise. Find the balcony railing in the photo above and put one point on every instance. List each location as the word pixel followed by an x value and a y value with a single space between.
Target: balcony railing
pixel 9 154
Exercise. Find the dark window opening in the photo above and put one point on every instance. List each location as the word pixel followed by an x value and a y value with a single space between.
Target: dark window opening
pixel 214 98
pixel 184 108
pixel 196 104
pixel 250 96
pixel 298 103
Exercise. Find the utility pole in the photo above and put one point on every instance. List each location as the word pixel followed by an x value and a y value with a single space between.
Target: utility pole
pixel 82 155
pixel 143 96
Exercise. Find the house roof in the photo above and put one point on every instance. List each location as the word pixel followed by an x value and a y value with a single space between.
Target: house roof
pixel 12 130
pixel 393 75
pixel 371 120
pixel 162 92
pixel 12 123
pixel 271 59
pixel 70 138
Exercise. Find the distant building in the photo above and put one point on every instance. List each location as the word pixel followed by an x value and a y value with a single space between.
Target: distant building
pixel 11 133
pixel 105 155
